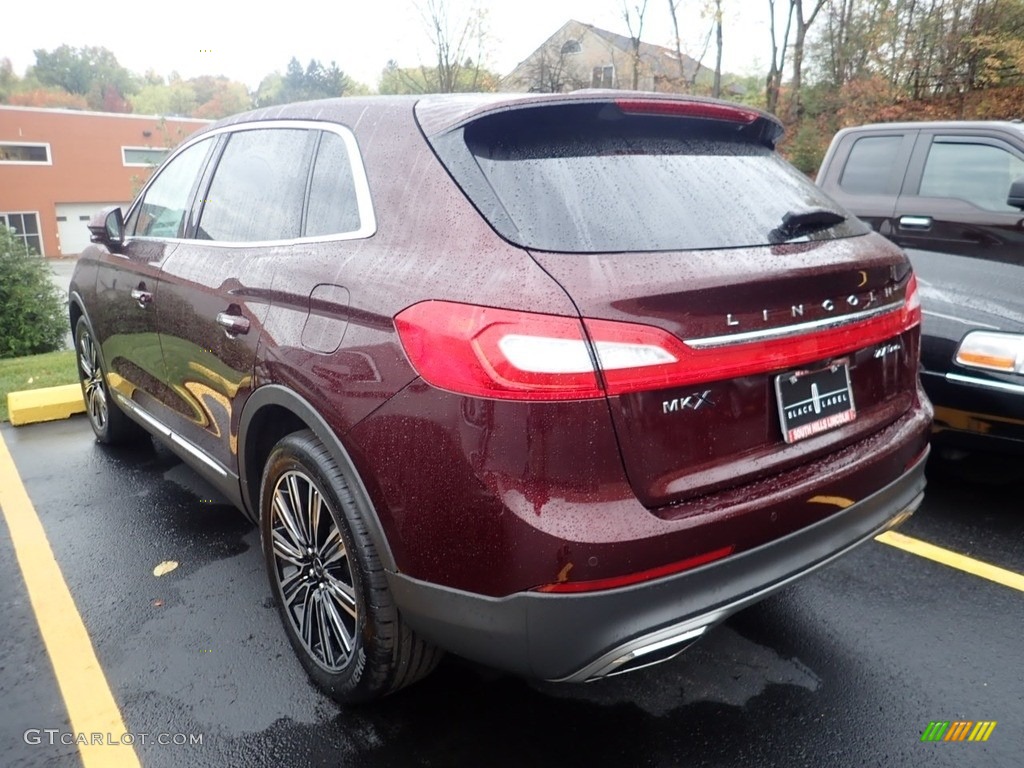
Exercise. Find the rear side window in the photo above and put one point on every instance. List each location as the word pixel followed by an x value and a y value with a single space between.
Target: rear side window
pixel 258 187
pixel 582 179
pixel 333 204
pixel 978 173
pixel 870 164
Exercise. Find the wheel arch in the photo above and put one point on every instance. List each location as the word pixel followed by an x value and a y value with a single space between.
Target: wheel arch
pixel 273 411
pixel 76 309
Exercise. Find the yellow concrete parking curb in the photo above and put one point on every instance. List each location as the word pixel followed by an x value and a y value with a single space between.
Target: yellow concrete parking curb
pixel 46 404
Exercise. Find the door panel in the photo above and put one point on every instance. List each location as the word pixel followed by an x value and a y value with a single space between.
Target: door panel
pixel 956 201
pixel 216 289
pixel 212 305
pixel 124 320
pixel 125 317
pixel 867 173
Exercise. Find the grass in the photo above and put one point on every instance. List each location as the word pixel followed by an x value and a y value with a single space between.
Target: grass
pixel 34 372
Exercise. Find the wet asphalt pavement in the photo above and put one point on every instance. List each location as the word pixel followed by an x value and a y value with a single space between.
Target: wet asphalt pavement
pixel 846 668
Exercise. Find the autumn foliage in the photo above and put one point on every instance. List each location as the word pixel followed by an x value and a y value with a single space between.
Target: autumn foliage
pixel 48 97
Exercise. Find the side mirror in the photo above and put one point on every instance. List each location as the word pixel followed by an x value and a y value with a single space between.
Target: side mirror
pixel 1016 196
pixel 107 228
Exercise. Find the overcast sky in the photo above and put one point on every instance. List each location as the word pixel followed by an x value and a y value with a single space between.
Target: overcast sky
pixel 246 41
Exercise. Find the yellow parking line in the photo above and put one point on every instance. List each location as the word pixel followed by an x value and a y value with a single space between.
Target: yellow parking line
pixel 953 559
pixel 87 697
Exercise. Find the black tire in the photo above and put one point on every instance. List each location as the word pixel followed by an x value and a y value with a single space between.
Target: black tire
pixel 108 421
pixel 338 611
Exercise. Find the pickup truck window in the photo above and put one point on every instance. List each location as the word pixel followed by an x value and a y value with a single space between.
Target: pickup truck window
pixel 978 173
pixel 870 162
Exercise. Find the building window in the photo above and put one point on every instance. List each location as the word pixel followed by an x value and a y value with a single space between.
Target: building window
pixel 25 227
pixel 28 153
pixel 604 77
pixel 144 157
pixel 570 46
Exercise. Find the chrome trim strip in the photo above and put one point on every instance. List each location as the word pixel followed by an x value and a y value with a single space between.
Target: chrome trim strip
pixel 198 454
pixel 1002 386
pixel 124 402
pixel 364 201
pixel 170 434
pixel 611 663
pixel 787 331
pixel 254 243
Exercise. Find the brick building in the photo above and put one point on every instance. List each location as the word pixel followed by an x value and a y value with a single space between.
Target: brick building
pixel 60 166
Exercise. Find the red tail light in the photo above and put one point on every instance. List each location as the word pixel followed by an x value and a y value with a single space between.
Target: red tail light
pixel 507 354
pixel 498 352
pixel 912 304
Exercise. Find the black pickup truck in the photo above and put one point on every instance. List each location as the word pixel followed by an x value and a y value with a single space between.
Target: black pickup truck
pixel 952 195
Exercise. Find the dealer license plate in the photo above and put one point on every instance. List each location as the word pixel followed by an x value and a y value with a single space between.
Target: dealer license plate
pixel 811 402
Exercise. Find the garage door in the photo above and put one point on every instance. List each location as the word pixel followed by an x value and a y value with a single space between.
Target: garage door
pixel 72 221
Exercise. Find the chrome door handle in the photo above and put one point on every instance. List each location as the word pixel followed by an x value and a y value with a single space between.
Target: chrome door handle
pixel 144 298
pixel 233 324
pixel 922 223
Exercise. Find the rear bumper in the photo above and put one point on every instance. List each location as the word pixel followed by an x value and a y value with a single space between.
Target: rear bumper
pixel 580 637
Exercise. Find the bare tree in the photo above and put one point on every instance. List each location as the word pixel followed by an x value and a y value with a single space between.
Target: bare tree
pixel 803 23
pixel 454 44
pixel 773 83
pixel 703 54
pixel 555 67
pixel 673 6
pixel 850 39
pixel 628 16
pixel 894 50
pixel 716 89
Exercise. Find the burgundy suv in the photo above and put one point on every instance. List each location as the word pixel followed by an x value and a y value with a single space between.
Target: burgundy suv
pixel 555 383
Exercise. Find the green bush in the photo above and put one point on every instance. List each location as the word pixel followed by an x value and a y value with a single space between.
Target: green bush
pixel 807 148
pixel 32 316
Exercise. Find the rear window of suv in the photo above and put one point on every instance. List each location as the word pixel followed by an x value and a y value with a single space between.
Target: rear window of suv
pixel 582 179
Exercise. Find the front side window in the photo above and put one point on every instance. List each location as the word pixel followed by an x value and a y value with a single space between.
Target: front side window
pixel 980 174
pixel 870 164
pixel 258 187
pixel 161 212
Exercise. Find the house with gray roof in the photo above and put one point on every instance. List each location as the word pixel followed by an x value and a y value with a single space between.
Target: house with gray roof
pixel 581 55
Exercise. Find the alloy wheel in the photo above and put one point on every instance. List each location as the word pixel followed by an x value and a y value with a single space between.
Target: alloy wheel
pixel 313 572
pixel 93 387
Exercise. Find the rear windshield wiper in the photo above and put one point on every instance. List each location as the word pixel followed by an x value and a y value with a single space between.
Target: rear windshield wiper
pixel 799 223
